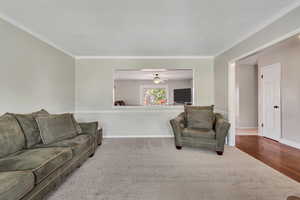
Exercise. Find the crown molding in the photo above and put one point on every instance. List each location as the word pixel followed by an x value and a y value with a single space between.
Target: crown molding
pixel 143 57
pixel 34 34
pixel 269 44
pixel 261 26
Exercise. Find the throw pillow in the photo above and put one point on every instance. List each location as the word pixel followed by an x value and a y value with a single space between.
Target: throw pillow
pixel 55 128
pixel 76 124
pixel 200 117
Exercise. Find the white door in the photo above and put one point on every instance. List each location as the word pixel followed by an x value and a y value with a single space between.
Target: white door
pixel 271 109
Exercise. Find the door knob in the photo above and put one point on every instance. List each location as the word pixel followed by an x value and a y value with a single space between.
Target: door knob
pixel 276 107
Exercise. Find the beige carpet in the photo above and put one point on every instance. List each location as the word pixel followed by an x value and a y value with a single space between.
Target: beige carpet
pixel 152 169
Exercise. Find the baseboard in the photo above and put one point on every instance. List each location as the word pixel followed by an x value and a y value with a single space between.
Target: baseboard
pixel 138 136
pixel 290 143
pixel 246 133
pixel 247 127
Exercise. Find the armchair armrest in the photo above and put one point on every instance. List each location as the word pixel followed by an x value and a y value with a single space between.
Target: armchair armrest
pixel 221 127
pixel 177 126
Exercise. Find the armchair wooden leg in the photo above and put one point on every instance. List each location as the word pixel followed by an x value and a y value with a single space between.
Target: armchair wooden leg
pixel 220 153
pixel 178 147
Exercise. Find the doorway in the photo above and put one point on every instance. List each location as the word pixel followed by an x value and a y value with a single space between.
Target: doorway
pixel 258 98
pixel 271 101
pixel 247 96
pixel 282 110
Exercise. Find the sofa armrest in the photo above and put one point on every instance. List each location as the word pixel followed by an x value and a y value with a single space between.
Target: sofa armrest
pixel 177 126
pixel 89 128
pixel 221 127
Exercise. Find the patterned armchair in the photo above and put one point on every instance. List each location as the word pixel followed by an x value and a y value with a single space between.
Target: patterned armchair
pixel 199 126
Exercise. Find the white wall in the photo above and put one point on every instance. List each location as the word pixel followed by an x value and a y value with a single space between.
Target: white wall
pixel 94 95
pixel 288 55
pixel 129 90
pixel 33 74
pixel 285 26
pixel 248 96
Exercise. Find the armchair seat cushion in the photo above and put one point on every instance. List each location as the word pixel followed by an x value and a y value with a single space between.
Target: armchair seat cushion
pixel 198 133
pixel 78 144
pixel 41 161
pixel 14 185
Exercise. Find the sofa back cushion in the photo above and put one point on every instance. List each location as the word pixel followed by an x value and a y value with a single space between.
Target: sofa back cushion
pixel 40 112
pixel 200 117
pixel 77 126
pixel 30 127
pixel 11 136
pixel 55 128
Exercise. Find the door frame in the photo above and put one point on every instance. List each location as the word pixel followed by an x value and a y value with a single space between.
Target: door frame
pixel 231 91
pixel 260 99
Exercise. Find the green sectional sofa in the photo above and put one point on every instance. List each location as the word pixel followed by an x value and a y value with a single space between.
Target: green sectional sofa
pixel 30 169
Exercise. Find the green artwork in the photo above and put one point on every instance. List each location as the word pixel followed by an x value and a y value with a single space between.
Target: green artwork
pixel 155 96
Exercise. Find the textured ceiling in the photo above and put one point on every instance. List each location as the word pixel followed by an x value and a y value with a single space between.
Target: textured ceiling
pixel 143 28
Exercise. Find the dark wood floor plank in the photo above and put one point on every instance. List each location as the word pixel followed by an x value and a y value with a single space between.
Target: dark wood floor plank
pixel 283 158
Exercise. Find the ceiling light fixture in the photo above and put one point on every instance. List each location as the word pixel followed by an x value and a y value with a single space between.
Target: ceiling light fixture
pixel 156 79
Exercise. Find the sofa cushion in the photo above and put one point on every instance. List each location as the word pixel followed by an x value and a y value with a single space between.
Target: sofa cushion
pixel 14 185
pixel 54 128
pixel 201 117
pixel 76 124
pixel 198 133
pixel 41 161
pixel 40 112
pixel 78 144
pixel 30 127
pixel 11 136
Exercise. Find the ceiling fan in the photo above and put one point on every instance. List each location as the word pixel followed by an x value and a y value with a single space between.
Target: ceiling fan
pixel 157 79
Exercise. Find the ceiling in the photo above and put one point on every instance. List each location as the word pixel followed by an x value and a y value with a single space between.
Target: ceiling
pixel 143 28
pixel 180 74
